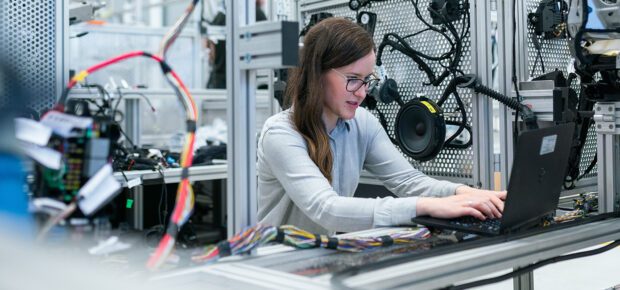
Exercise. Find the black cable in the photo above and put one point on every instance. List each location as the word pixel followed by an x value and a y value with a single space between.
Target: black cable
pixel 383 122
pixel 515 131
pixel 458 49
pixel 133 145
pixel 120 98
pixel 411 54
pixel 143 97
pixel 453 55
pixel 163 195
pixel 460 146
pixel 451 91
pixel 535 266
pixel 538 56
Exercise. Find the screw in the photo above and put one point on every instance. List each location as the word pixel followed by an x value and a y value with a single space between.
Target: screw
pixel 598 108
pixel 611 126
pixel 599 126
pixel 609 109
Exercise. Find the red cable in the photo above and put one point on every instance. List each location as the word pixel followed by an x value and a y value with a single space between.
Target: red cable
pixel 158 251
pixel 107 63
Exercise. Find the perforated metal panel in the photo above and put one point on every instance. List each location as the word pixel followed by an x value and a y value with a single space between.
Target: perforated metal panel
pixel 29 42
pixel 556 55
pixel 399 17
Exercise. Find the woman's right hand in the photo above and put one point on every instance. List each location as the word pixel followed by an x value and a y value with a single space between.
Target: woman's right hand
pixel 480 207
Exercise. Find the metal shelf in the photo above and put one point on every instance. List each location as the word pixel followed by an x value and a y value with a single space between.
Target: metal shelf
pixel 173 175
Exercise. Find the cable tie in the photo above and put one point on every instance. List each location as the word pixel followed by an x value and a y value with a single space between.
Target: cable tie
pixel 185 173
pixel 81 76
pixel 317 240
pixel 332 243
pixel 191 126
pixel 223 248
pixel 165 67
pixel 172 230
pixel 386 241
pixel 280 236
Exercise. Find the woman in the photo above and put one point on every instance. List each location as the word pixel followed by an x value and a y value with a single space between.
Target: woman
pixel 310 157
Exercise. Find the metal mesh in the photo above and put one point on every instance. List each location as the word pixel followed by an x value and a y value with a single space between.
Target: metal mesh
pixel 556 55
pixel 28 42
pixel 399 17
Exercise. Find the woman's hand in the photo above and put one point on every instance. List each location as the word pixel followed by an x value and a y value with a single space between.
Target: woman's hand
pixel 474 202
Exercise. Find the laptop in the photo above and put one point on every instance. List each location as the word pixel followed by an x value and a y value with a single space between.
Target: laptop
pixel 538 170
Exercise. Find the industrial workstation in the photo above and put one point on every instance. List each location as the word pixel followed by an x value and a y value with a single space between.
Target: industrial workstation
pixel 308 144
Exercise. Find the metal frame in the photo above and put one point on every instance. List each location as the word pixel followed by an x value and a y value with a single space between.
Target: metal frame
pixel 241 153
pixel 62 32
pixel 173 175
pixel 250 47
pixel 482 106
pixel 608 140
pixel 505 40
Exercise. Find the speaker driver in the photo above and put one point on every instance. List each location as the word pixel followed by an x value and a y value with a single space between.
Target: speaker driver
pixel 420 129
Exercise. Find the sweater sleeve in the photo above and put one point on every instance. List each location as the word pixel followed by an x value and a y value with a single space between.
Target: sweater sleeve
pixel 286 153
pixel 388 165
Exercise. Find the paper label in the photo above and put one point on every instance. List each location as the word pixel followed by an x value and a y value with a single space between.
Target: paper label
pixel 548 144
pixel 134 182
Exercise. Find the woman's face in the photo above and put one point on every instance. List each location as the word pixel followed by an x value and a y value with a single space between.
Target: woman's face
pixel 339 102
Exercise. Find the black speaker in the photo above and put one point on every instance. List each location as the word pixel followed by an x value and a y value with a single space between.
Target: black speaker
pixel 420 129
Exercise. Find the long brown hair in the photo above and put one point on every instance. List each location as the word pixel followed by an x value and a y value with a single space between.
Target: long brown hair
pixel 332 43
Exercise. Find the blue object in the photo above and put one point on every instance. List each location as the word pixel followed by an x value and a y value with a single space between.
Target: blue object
pixel 13 200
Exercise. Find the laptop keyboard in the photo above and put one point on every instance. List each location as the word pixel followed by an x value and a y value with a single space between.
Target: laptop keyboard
pixel 488 225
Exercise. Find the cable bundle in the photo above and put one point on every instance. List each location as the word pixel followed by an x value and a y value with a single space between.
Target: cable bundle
pixel 289 235
pixel 241 243
pixel 176 29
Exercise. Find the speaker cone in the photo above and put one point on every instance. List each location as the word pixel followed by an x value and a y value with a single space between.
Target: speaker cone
pixel 420 129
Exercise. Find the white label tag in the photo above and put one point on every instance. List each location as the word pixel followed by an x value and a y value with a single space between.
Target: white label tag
pixel 134 182
pixel 98 191
pixel 32 131
pixel 62 123
pixel 548 144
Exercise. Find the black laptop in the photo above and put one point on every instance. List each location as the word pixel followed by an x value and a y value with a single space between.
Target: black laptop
pixel 538 169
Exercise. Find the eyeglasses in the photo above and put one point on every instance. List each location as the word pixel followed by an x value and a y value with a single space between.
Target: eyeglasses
pixel 354 84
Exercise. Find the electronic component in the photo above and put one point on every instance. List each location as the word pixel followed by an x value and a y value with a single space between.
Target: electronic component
pixel 84 151
pixel 420 129
pixel 368 20
pixel 549 19
pixel 82 11
pixel 314 19
pixel 442 11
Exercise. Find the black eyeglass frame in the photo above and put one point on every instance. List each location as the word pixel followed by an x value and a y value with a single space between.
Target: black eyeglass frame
pixel 369 83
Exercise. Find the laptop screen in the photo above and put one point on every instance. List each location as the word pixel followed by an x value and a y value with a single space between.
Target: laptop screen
pixel 538 172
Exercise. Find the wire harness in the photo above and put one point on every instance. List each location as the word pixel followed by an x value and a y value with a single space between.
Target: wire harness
pixel 251 238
